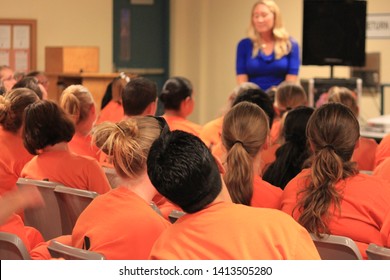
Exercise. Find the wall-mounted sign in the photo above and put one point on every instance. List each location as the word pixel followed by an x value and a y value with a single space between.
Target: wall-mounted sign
pixel 378 26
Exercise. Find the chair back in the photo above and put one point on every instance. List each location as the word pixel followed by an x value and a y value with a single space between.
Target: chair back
pixel 72 202
pixel 12 247
pixel 112 177
pixel 174 215
pixel 46 219
pixel 376 252
pixel 334 247
pixel 59 250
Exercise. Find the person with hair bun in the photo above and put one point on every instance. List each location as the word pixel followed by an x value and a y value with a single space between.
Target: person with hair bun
pixel 244 135
pixel 177 97
pixel 77 101
pixel 13 154
pixel 47 131
pixel 332 197
pixel 120 224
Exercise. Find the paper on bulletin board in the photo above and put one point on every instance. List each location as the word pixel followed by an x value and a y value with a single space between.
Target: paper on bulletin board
pixel 21 37
pixel 5 57
pixel 5 37
pixel 21 60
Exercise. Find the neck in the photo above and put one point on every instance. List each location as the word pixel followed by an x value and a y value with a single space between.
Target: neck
pixel 62 146
pixel 142 187
pixel 173 113
pixel 267 37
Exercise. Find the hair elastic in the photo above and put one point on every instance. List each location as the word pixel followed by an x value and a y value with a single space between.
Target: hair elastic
pixel 238 142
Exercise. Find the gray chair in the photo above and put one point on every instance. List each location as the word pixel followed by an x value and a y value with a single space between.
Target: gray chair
pixel 59 250
pixel 174 215
pixel 334 247
pixel 46 219
pixel 12 247
pixel 376 252
pixel 71 203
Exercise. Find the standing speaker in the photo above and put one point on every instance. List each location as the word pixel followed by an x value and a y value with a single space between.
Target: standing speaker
pixel 334 32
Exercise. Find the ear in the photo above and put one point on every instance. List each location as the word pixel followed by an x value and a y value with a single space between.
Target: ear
pixel 186 106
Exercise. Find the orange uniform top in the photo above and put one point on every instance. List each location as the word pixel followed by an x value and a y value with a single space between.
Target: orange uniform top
pixel 364 154
pixel 227 231
pixel 120 225
pixel 265 195
pixel 69 169
pixel 383 170
pixel 383 150
pixel 13 157
pixel 165 205
pixel 82 145
pixel 30 236
pixel 365 203
pixel 112 112
pixel 211 132
pixel 179 123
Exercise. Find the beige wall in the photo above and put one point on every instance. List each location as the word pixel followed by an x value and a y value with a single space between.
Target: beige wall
pixel 204 35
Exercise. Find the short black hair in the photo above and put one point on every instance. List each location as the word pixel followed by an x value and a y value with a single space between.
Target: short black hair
pixel 182 169
pixel 174 91
pixel 45 124
pixel 137 95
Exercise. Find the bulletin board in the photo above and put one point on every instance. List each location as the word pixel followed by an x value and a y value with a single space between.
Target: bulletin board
pixel 18 39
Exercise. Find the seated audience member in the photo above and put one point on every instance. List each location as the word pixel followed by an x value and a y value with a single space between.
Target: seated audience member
pixel 7 77
pixel 41 78
pixel 244 135
pixel 182 169
pixel 382 151
pixel 113 111
pixel 288 95
pixel 121 224
pixel 332 197
pixel 294 151
pixel 47 131
pixel 13 154
pixel 211 131
pixel 364 153
pixel 139 97
pixel 31 83
pixel 77 101
pixel 177 97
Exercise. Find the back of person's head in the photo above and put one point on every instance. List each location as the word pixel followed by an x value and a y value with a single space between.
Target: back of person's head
pixel 31 83
pixel 244 131
pixel 293 153
pixel 344 96
pixel 333 132
pixel 260 98
pixel 77 100
pixel 289 95
pixel 183 170
pixel 41 78
pixel 138 94
pixel 127 143
pixel 12 105
pixel 46 124
pixel 174 91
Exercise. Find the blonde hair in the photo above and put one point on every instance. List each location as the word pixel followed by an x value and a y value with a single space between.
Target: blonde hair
pixel 127 143
pixel 244 131
pixel 344 96
pixel 282 38
pixel 76 100
pixel 290 95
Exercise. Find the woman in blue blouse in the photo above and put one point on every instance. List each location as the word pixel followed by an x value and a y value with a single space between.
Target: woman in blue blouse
pixel 269 55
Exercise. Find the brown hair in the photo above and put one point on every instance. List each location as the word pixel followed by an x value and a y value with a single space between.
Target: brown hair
pixel 290 95
pixel 127 142
pixel 12 106
pixel 244 131
pixel 344 96
pixel 332 131
pixel 76 100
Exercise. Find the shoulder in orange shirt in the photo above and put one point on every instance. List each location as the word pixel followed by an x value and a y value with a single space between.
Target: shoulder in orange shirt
pixel 211 132
pixel 179 123
pixel 82 145
pixel 383 150
pixel 265 195
pixel 112 112
pixel 364 154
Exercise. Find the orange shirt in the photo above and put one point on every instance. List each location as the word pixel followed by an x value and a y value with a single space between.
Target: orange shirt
pixel 68 169
pixel 120 225
pixel 227 231
pixel 364 154
pixel 40 252
pixel 179 123
pixel 165 205
pixel 13 157
pixel 265 195
pixel 82 145
pixel 365 203
pixel 30 236
pixel 112 112
pixel 383 150
pixel 383 170
pixel 211 132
